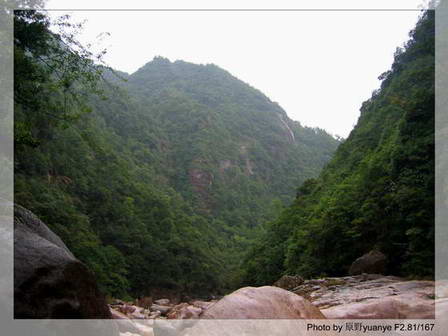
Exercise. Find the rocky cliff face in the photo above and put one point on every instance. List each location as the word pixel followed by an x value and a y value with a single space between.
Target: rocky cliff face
pixel 49 282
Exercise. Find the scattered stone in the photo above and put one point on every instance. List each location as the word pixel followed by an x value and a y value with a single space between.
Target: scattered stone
pixel 137 314
pixel 162 309
pixel 144 302
pixel 184 311
pixel 126 309
pixel 162 302
pixel 364 296
pixel 117 302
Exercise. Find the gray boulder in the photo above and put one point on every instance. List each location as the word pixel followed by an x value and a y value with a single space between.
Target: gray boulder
pixel 49 282
pixel 373 262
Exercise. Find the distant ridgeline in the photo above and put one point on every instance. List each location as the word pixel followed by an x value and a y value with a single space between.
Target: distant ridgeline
pixel 378 190
pixel 166 182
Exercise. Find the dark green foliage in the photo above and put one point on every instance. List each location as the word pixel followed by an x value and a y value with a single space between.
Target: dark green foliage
pixel 165 183
pixel 378 190
pixel 52 76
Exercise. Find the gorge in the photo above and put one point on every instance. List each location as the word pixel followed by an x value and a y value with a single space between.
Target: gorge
pixel 180 182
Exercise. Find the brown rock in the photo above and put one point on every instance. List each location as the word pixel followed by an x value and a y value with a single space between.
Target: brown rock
pixel 203 304
pixel 184 311
pixel 372 262
pixel 126 309
pixel 289 282
pixel 262 303
pixel 175 311
pixel 144 302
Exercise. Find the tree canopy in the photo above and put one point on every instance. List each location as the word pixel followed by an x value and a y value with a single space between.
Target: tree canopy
pixel 378 190
pixel 160 180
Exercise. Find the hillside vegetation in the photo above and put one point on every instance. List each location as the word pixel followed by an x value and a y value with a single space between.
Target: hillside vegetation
pixel 378 190
pixel 156 180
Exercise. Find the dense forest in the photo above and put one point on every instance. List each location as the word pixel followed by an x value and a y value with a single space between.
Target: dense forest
pixel 158 179
pixel 377 193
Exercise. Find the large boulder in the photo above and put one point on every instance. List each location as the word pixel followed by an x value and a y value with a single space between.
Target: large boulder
pixel 372 262
pixel 262 303
pixel 382 298
pixel 248 311
pixel 401 307
pixel 49 282
pixel 289 282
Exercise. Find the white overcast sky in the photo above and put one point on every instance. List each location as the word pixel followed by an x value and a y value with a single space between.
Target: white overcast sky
pixel 318 65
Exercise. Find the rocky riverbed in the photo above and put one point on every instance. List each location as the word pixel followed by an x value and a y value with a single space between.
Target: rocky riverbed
pixel 43 265
pixel 371 296
pixel 365 296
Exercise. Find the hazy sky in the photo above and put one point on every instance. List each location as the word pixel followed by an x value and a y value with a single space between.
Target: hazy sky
pixel 318 65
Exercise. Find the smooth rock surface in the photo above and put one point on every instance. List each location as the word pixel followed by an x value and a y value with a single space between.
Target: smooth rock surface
pixel 49 282
pixel 262 303
pixel 370 297
pixel 386 308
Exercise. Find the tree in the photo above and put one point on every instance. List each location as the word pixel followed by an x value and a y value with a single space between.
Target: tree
pixel 53 74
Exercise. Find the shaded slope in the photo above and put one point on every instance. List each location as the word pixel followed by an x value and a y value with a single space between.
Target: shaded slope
pixel 164 183
pixel 378 190
pixel 226 140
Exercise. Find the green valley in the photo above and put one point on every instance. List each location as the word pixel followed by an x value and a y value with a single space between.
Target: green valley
pixel 157 180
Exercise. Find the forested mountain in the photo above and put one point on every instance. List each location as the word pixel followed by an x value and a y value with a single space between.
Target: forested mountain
pixel 224 142
pixel 158 179
pixel 377 193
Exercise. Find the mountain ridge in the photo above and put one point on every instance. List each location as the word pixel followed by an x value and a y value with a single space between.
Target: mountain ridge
pixel 376 193
pixel 163 185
